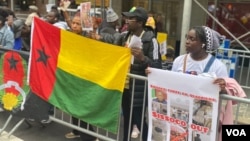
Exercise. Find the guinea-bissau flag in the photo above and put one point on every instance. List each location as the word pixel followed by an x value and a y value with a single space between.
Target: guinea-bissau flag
pixel 83 77
pixel 13 79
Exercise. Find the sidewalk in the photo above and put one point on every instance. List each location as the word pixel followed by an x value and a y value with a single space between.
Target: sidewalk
pixel 4 137
pixel 244 113
pixel 36 132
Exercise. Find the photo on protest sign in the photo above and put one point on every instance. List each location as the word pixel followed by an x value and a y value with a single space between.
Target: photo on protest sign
pixel 178 133
pixel 202 113
pixel 180 110
pixel 86 18
pixel 159 131
pixel 159 101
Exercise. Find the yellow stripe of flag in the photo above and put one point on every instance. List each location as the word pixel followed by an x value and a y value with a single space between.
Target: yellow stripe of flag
pixel 91 60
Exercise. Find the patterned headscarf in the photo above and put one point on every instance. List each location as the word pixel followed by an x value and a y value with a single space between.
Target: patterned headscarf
pixel 213 39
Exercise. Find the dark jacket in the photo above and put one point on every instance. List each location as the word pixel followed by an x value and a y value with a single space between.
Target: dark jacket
pixel 115 38
pixel 106 27
pixel 151 51
pixel 150 47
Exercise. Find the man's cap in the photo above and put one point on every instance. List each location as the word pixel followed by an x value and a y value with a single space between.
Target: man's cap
pixel 33 7
pixel 111 16
pixel 137 12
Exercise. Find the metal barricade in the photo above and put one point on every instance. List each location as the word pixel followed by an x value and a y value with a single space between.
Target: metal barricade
pixel 237 62
pixel 66 120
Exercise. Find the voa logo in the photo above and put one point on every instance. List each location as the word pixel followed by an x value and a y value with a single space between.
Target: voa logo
pixel 236 132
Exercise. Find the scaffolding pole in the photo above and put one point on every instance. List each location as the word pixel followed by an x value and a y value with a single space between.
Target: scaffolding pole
pixel 186 16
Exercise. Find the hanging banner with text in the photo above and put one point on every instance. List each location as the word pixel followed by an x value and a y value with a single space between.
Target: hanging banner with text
pixel 182 107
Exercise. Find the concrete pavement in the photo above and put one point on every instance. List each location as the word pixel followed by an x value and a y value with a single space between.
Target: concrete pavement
pixel 36 132
pixel 5 137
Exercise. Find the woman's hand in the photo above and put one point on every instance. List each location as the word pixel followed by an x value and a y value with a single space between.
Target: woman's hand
pixel 222 84
pixel 147 70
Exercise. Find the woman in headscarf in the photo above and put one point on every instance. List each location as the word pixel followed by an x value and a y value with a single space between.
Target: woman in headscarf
pixel 200 41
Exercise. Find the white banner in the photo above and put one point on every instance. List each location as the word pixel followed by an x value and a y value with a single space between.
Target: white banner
pixel 182 107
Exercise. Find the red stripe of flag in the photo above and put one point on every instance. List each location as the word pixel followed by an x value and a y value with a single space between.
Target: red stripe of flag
pixel 44 60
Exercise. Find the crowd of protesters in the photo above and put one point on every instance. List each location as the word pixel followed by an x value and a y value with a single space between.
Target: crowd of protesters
pixel 15 34
pixel 108 30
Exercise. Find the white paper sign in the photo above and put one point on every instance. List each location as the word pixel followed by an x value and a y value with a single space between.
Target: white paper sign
pixel 135 41
pixel 181 106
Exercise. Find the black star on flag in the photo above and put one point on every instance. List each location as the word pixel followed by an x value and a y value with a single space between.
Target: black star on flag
pixel 12 62
pixel 43 56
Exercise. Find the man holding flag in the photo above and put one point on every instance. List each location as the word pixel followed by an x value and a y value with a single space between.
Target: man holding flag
pixel 62 71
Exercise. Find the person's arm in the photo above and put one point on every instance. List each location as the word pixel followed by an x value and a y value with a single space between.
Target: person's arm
pixel 108 38
pixel 9 40
pixel 222 74
pixel 67 18
pixel 63 7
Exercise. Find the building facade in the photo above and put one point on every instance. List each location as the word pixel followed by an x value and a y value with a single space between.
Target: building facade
pixel 170 11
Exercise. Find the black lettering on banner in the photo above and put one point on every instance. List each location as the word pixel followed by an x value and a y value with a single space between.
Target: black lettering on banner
pixel 236 132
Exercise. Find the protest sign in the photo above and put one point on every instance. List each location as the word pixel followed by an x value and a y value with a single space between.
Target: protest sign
pixel 182 106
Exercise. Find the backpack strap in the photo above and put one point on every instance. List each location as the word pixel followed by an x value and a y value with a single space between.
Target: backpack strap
pixel 185 63
pixel 209 63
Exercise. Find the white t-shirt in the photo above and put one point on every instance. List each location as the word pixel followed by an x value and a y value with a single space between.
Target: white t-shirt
pixel 217 68
pixel 61 25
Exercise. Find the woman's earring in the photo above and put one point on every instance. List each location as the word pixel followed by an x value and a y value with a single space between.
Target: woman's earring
pixel 203 45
